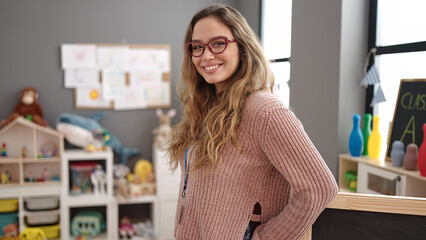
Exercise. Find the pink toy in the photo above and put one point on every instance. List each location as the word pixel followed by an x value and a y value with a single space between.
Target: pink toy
pixel 410 157
pixel 126 229
pixel 45 174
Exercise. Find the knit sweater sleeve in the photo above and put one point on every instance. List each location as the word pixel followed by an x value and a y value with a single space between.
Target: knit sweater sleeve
pixel 289 149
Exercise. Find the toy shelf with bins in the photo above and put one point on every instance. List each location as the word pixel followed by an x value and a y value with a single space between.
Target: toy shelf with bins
pixel 78 198
pixel 31 154
pixel 26 193
pixel 380 174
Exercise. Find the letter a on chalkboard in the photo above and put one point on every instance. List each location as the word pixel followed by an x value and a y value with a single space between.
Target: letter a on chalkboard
pixel 410 129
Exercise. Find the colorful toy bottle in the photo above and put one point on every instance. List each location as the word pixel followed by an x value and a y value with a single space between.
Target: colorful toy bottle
pixel 375 140
pixel 421 161
pixel 356 143
pixel 397 153
pixel 3 150
pixel 410 158
pixel 366 131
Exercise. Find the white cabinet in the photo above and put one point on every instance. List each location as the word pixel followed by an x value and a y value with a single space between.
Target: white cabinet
pixel 381 177
pixel 167 193
pixel 375 180
pixel 78 200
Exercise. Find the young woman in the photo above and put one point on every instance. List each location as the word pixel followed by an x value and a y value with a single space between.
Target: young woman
pixel 249 170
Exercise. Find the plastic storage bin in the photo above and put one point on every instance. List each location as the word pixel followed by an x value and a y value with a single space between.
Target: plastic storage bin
pixel 41 203
pixel 51 231
pixel 80 177
pixel 6 219
pixel 8 205
pixel 42 218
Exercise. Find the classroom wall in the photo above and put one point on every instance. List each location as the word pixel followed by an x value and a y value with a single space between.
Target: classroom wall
pixel 251 11
pixel 328 50
pixel 31 33
pixel 328 53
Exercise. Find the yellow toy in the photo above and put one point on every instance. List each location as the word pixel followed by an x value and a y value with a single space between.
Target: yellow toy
pixel 374 144
pixel 4 178
pixel 32 234
pixel 142 169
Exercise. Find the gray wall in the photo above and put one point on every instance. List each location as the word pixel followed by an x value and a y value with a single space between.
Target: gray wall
pixel 328 53
pixel 31 33
pixel 251 11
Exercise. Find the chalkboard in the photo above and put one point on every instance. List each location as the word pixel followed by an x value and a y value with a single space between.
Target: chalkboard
pixel 338 224
pixel 409 115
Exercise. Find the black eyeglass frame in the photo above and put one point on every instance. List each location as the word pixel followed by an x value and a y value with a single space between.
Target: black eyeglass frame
pixel 227 40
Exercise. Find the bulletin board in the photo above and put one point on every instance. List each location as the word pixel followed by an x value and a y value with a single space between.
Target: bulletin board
pixel 409 115
pixel 118 76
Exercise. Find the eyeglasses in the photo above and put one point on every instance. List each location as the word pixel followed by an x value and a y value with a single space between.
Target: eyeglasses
pixel 216 45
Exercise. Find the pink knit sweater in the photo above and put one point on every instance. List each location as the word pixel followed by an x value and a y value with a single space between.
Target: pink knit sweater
pixel 279 167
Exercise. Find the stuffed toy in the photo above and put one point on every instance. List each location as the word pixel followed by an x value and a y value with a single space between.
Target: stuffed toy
pixel 28 107
pixel 79 130
pixel 163 132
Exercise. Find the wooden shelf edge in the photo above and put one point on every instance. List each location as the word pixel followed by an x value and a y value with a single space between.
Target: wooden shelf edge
pixel 379 203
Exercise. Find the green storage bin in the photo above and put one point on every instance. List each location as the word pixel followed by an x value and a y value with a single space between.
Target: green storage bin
pixel 6 219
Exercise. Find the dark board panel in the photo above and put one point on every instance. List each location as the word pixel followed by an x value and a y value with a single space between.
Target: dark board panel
pixel 410 114
pixel 337 224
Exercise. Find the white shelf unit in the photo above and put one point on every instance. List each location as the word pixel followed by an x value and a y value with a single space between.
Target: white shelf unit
pixel 168 183
pixel 31 149
pixel 371 171
pixel 71 204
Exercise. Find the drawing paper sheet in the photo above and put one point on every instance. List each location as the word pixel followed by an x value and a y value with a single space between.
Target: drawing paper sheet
pixel 90 97
pixel 139 77
pixel 148 60
pixel 113 84
pixel 133 98
pixel 112 57
pixel 157 94
pixel 78 56
pixel 75 78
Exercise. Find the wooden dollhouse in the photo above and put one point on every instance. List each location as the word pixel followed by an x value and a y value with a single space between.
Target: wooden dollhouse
pixel 31 154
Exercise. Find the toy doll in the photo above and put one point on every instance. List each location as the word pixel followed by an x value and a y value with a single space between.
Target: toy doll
pixel 98 180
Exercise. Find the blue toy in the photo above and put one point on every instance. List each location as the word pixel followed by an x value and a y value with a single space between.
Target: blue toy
pixel 92 124
pixel 356 143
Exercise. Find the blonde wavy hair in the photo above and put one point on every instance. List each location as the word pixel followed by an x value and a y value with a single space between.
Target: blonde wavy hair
pixel 211 120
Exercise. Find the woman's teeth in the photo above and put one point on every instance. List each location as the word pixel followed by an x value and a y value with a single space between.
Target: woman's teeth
pixel 211 67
